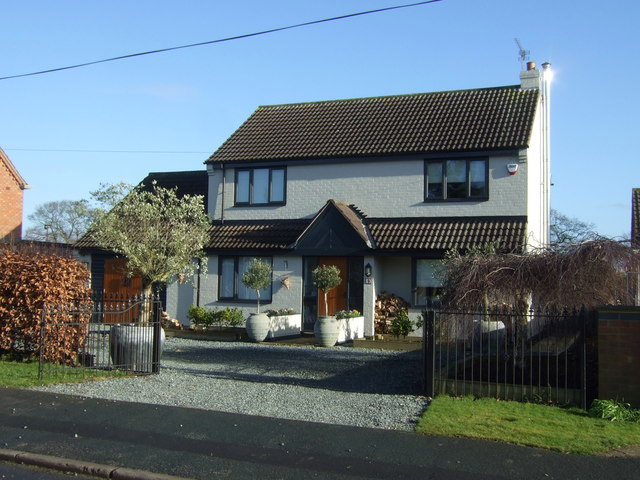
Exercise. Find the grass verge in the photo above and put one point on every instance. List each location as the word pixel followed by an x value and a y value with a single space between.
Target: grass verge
pixel 568 430
pixel 24 374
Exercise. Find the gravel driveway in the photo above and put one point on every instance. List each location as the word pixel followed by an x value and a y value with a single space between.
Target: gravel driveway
pixel 339 385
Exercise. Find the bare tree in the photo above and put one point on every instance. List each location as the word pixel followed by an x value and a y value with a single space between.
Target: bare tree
pixel 568 230
pixel 65 221
pixel 60 222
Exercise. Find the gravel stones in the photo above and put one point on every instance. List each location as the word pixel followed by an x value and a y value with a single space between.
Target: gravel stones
pixel 339 385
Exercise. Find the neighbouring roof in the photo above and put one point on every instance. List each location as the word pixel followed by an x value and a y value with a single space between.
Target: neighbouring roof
pixel 388 235
pixel 14 173
pixel 635 218
pixel 188 183
pixel 194 182
pixel 442 122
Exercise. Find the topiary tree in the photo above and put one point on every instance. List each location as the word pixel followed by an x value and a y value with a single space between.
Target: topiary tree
pixel 326 278
pixel 257 277
pixel 159 233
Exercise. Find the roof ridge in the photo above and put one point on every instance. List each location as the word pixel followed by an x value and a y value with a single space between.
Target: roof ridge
pixel 396 95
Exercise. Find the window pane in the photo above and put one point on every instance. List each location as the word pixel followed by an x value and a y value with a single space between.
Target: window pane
pixel 277 185
pixel 244 293
pixel 456 178
pixel 227 278
pixel 242 186
pixel 478 178
pixel 427 285
pixel 261 185
pixel 434 180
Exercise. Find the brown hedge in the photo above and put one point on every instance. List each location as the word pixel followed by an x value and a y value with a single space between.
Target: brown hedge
pixel 31 281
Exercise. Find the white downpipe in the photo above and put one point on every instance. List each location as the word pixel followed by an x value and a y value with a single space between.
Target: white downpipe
pixel 547 75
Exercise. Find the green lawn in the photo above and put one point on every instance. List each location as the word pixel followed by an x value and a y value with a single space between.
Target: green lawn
pixel 568 430
pixel 24 374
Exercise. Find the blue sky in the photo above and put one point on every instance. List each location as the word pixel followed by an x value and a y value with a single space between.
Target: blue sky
pixel 191 100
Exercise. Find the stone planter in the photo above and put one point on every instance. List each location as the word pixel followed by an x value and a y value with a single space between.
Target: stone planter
pixel 285 325
pixel 326 331
pixel 132 348
pixel 257 326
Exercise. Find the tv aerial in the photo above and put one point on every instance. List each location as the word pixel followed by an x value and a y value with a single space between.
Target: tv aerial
pixel 522 53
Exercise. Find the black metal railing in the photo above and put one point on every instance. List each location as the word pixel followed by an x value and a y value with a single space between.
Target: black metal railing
pixel 101 336
pixel 539 356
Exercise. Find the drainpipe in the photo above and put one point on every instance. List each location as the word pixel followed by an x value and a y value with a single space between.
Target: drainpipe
pixel 547 75
pixel 224 181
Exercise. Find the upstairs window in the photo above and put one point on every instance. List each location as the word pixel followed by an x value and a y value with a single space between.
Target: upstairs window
pixel 260 186
pixel 457 179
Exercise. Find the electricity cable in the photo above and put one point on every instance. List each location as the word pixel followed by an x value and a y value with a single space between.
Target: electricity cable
pixel 220 40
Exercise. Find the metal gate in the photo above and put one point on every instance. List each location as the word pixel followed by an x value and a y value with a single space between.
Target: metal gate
pixel 539 356
pixel 101 336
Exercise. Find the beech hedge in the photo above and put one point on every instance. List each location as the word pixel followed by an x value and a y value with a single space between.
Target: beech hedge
pixel 31 281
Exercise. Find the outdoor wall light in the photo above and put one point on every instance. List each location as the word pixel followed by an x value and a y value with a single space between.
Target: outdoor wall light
pixel 368 270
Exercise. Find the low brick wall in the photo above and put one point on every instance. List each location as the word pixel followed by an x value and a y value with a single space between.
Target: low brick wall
pixel 619 354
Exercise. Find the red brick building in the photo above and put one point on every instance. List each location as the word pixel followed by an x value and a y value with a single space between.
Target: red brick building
pixel 12 186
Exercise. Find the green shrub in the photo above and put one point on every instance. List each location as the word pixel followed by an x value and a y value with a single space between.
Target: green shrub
pixel 348 314
pixel 401 324
pixel 230 317
pixel 199 315
pixel 614 411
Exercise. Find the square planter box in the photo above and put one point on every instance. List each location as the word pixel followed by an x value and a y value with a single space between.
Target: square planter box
pixel 350 329
pixel 285 326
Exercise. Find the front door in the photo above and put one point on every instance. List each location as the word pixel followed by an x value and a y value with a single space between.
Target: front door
pixel 337 297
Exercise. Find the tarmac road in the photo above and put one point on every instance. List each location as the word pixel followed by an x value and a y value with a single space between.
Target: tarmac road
pixel 152 440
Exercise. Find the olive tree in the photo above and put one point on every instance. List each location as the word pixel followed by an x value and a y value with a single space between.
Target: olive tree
pixel 326 278
pixel 257 277
pixel 159 233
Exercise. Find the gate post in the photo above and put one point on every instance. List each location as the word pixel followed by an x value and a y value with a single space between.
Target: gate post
pixel 157 335
pixel 429 352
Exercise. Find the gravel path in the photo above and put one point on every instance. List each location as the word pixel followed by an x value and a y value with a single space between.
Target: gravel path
pixel 340 385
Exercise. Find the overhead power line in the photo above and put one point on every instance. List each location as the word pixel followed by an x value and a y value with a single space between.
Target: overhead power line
pixel 220 40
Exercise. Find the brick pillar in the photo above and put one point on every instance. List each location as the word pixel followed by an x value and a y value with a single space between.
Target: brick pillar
pixel 619 354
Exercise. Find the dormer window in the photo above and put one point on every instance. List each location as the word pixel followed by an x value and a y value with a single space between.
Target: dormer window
pixel 456 179
pixel 260 186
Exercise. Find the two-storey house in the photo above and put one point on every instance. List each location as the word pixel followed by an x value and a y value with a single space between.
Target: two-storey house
pixel 381 187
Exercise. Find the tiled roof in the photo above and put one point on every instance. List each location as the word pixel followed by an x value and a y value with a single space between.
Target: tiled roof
pixel 188 183
pixel 441 234
pixel 255 235
pixel 635 218
pixel 389 234
pixel 442 122
pixel 194 182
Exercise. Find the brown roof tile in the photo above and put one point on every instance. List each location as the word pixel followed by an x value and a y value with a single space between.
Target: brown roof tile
pixel 255 235
pixel 441 234
pixel 455 121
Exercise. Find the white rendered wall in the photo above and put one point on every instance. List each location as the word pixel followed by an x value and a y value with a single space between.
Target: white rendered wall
pixel 380 189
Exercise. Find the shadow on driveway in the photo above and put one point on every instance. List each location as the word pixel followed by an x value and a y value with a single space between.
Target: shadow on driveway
pixel 340 368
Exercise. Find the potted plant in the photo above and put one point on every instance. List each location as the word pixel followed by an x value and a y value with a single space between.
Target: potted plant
pixel 257 277
pixel 326 278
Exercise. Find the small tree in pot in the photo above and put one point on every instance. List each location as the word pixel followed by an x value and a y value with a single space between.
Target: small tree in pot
pixel 257 277
pixel 326 278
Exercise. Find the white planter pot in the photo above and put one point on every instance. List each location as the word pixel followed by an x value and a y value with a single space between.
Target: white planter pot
pixel 326 331
pixel 131 347
pixel 285 325
pixel 257 326
pixel 350 329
